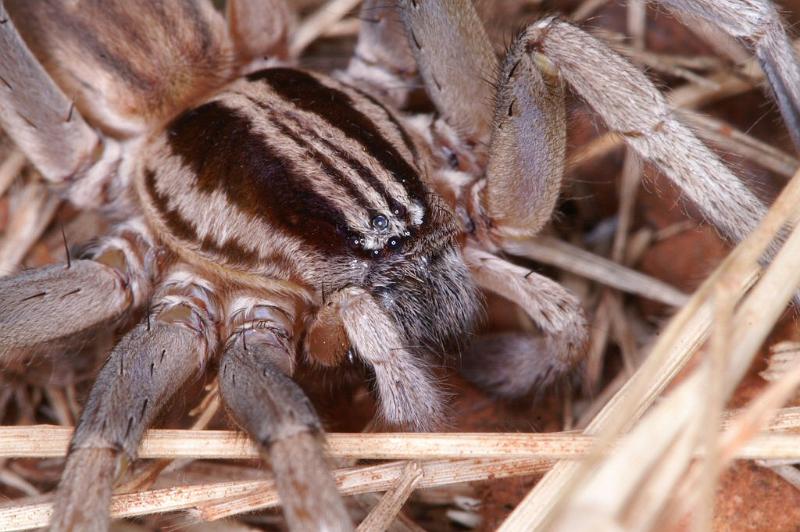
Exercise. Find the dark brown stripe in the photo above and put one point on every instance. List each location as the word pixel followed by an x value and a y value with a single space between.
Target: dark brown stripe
pixel 178 225
pixel 338 110
pixel 355 165
pixel 224 152
pixel 400 129
pixel 184 230
pixel 327 165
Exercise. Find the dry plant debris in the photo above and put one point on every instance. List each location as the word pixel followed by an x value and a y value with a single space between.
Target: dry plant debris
pixel 682 420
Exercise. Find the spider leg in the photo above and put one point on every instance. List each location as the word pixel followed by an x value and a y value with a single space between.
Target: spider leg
pixel 528 146
pixel 552 308
pixel 262 398
pixel 144 370
pixel 758 24
pixel 408 395
pixel 512 364
pixel 37 115
pixel 382 59
pixel 456 61
pixel 632 106
pixel 59 302
pixel 259 28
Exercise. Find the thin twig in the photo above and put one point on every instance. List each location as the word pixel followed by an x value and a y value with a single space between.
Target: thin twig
pixel 385 512
pixel 50 441
pixel 591 266
pixel 33 210
pixel 676 344
pixel 10 169
pixel 318 23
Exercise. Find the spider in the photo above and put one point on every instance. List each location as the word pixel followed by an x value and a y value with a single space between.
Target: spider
pixel 264 213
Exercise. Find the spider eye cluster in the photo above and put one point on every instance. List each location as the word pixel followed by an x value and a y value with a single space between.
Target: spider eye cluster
pixel 393 243
pixel 380 222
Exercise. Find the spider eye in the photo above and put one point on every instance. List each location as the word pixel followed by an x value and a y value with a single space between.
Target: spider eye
pixel 380 221
pixel 355 241
pixel 394 242
pixel 398 210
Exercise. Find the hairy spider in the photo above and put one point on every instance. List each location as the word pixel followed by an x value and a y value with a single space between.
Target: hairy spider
pixel 264 213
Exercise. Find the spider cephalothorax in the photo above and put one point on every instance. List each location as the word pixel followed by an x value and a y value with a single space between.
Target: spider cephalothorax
pixel 337 189
pixel 263 213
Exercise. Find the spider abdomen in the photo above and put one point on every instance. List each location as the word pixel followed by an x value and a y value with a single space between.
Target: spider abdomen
pixel 282 173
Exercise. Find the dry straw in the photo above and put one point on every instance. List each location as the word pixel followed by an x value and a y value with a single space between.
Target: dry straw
pixel 671 431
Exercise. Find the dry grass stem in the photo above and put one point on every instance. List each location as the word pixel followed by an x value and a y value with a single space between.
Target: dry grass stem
pixel 385 512
pixel 629 186
pixel 784 420
pixel 740 433
pixel 732 140
pixel 637 22
pixel 623 335
pixel 9 478
pixel 575 260
pixel 348 27
pixel 711 417
pixel 598 342
pixel 36 515
pixel 670 423
pixel 783 358
pixel 50 441
pixel 677 343
pixel 382 478
pixel 318 23
pixel 787 472
pixel 205 412
pixel 586 9
pixel 720 41
pixel 663 64
pixel 34 208
pixel 10 169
